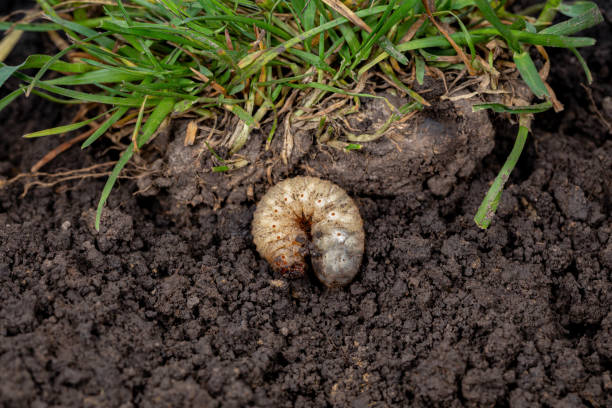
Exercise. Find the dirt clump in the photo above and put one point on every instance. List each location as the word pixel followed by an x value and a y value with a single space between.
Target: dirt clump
pixel 436 146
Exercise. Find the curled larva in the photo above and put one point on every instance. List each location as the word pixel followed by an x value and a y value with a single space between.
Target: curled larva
pixel 308 217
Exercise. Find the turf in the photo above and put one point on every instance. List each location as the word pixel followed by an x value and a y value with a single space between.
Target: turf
pixel 144 62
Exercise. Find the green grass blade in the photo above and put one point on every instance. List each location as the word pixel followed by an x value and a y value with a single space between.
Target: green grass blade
pixel 253 62
pixel 139 119
pixel 156 33
pixel 353 146
pixel 488 207
pixel 482 35
pixel 102 76
pixel 584 65
pixel 45 27
pixel 332 89
pixel 547 15
pixel 436 41
pixel 393 51
pixel 350 37
pixel 379 30
pixel 386 68
pixel 55 58
pixel 54 99
pixel 4 102
pixel 73 26
pixel 419 66
pixel 312 60
pixel 220 169
pixel 159 114
pixel 126 15
pixel 6 71
pixel 105 126
pixel 309 15
pixel 37 27
pixel 285 80
pixel 466 33
pixel 530 74
pixel 151 91
pixel 574 9
pixel 548 40
pixel 504 30
pixel 591 17
pixel 125 157
pixel 243 115
pixel 501 108
pixel 62 129
pixel 38 61
pixel 86 97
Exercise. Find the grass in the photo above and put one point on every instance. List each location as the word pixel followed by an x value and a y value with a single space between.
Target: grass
pixel 142 62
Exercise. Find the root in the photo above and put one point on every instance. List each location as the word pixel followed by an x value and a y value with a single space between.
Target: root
pixel 43 179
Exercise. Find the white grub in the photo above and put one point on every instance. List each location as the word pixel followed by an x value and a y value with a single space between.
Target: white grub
pixel 307 216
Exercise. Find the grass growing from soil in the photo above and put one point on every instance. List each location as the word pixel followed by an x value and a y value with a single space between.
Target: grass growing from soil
pixel 133 65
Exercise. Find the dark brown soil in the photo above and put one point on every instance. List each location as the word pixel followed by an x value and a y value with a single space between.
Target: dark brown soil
pixel 176 308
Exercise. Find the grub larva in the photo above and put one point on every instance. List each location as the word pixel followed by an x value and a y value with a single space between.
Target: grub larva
pixel 308 217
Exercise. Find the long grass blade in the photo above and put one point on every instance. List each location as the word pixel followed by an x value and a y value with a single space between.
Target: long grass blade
pixel 62 129
pixel 108 187
pixel 159 114
pixel 589 18
pixel 489 205
pixel 504 30
pixel 4 102
pixel 105 126
pixel 501 108
pixel 529 73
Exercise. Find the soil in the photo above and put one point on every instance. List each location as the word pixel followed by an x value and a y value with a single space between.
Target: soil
pixel 170 306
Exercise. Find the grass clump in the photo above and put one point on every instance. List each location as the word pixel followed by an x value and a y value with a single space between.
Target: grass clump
pixel 143 62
